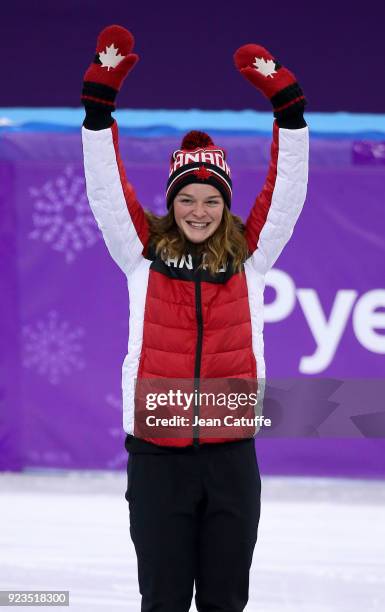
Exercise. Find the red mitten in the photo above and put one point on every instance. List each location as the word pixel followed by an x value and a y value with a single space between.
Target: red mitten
pixel 113 61
pixel 277 83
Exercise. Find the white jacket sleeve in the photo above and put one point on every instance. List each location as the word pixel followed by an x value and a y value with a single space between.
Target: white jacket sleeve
pixel 112 199
pixel 278 206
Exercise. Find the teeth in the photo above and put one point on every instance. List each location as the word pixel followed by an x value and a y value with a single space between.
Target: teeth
pixel 198 225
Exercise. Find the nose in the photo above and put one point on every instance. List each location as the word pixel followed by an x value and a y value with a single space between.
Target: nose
pixel 199 211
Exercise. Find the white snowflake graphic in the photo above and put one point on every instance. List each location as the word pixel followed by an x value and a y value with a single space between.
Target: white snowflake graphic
pixel 62 216
pixel 120 459
pixel 52 348
pixel 265 67
pixel 110 58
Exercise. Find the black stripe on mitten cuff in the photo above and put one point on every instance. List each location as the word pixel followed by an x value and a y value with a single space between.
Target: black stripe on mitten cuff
pixel 287 95
pixel 102 93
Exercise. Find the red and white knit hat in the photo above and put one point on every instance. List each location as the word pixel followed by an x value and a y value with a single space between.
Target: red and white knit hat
pixel 199 161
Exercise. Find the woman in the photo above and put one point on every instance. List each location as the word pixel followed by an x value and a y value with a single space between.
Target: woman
pixel 195 280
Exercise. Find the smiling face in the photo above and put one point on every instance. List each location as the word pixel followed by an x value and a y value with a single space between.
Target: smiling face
pixel 198 210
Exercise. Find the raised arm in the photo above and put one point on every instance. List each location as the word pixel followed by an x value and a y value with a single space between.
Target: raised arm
pixel 276 209
pixel 112 198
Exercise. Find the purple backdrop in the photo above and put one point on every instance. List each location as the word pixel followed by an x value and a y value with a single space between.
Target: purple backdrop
pixel 335 49
pixel 64 307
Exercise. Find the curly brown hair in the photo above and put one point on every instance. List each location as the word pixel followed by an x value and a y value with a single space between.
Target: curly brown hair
pixel 228 243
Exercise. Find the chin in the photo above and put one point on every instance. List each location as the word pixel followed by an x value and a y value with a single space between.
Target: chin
pixel 195 239
pixel 197 236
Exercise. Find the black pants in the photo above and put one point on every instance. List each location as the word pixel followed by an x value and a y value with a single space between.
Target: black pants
pixel 194 517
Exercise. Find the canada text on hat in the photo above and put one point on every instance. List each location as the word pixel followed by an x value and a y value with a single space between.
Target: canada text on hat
pixel 216 157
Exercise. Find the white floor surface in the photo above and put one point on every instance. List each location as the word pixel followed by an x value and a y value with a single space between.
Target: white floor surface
pixel 321 542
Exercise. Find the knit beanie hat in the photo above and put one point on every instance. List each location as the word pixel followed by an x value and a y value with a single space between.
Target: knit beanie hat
pixel 199 161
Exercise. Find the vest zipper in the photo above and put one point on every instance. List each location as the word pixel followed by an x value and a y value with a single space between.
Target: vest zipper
pixel 198 354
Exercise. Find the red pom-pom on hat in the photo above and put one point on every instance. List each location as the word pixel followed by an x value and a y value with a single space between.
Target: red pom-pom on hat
pixel 196 140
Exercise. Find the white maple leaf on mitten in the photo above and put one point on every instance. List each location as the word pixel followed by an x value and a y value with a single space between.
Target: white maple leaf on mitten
pixel 110 58
pixel 267 68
